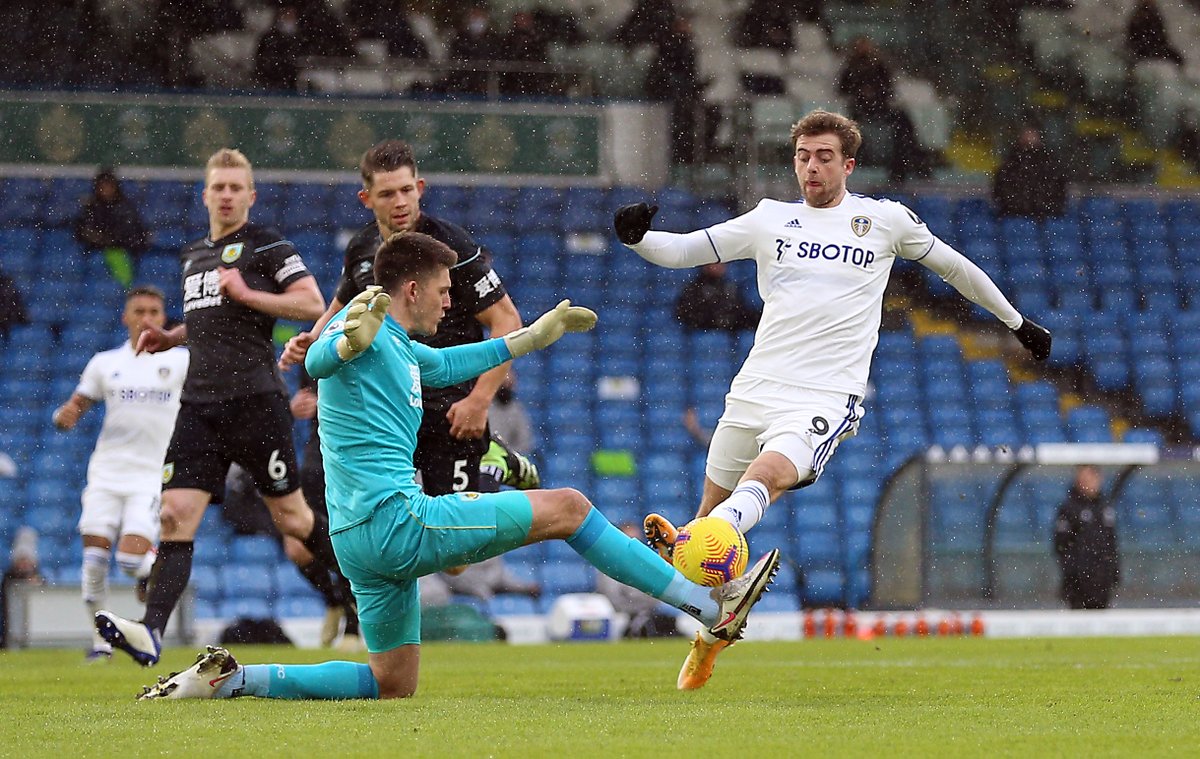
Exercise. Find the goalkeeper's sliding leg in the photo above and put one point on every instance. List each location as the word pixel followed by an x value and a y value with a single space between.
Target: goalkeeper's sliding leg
pixel 409 536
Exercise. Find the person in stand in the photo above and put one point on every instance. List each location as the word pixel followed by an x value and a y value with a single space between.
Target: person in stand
pixel 1085 543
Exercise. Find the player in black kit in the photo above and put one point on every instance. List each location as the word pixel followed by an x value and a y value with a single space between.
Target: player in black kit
pixel 453 435
pixel 236 283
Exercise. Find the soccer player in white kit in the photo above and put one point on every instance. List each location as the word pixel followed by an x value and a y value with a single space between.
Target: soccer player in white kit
pixel 141 397
pixel 823 263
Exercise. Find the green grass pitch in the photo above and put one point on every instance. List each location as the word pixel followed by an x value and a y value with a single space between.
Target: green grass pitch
pixel 885 698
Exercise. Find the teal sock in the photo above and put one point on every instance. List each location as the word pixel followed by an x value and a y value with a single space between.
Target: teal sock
pixel 631 562
pixel 330 681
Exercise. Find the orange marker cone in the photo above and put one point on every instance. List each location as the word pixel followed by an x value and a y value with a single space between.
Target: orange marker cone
pixel 977 625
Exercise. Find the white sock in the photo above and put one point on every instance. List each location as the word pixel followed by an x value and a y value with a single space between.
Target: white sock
pixel 94 585
pixel 745 506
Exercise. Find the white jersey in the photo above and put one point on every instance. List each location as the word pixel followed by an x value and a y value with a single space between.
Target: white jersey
pixel 821 275
pixel 141 399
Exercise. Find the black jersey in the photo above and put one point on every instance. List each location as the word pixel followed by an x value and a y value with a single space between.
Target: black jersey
pixel 474 287
pixel 232 345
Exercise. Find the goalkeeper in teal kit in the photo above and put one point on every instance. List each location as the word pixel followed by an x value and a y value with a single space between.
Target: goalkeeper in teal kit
pixel 387 533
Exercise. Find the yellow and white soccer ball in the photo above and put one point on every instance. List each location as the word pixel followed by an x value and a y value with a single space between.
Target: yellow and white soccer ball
pixel 710 551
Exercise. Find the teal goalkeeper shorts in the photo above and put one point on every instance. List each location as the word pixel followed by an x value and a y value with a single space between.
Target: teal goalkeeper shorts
pixel 411 536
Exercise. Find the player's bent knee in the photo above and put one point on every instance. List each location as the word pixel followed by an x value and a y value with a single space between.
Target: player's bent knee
pixel 574 504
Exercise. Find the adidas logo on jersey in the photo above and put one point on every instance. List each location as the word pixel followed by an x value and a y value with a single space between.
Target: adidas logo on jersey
pixel 793 224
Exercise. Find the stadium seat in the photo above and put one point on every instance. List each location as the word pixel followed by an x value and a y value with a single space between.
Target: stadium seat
pixel 240 581
pixel 244 608
pixel 254 549
pixel 568 577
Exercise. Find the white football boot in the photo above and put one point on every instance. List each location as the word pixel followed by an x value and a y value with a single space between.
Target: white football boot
pixel 134 638
pixel 201 680
pixel 737 596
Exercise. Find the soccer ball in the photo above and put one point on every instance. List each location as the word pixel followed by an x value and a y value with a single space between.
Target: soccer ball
pixel 710 551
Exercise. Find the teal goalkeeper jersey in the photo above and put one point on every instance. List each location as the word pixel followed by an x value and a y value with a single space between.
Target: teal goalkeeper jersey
pixel 370 411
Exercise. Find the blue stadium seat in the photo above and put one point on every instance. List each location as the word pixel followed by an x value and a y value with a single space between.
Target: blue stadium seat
pixel 206 583
pixel 241 581
pixel 818 548
pixel 300 607
pixel 508 604
pixel 244 608
pixel 254 549
pixel 304 205
pixel 823 587
pixel 568 577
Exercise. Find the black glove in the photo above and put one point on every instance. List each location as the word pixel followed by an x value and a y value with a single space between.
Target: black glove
pixel 1035 338
pixel 633 221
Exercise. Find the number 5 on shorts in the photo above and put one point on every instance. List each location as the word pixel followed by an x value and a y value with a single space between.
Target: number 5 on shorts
pixel 461 477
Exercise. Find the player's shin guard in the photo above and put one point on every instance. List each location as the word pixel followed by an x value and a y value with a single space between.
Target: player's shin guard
pixel 94 584
pixel 172 570
pixel 319 544
pixel 745 506
pixel 631 562
pixel 333 680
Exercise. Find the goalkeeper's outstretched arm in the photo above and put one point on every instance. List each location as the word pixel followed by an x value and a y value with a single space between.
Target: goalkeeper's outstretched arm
pixel 450 366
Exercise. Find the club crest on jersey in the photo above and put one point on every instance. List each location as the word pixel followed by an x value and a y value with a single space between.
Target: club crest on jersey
pixel 860 225
pixel 164 372
pixel 232 252
pixel 168 472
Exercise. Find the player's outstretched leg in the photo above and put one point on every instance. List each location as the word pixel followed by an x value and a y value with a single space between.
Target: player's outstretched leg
pixel 216 674
pixel 660 535
pixel 735 597
pixel 508 466
pixel 134 638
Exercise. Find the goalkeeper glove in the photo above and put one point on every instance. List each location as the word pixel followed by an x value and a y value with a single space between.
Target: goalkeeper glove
pixel 633 221
pixel 363 320
pixel 549 327
pixel 1034 338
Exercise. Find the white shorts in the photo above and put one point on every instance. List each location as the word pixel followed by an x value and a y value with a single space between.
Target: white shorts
pixel 803 425
pixel 107 514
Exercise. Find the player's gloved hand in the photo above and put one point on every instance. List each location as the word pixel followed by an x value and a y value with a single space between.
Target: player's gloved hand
pixel 1034 338
pixel 632 222
pixel 363 320
pixel 549 327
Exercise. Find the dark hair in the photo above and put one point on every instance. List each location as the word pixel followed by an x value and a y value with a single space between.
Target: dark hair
pixel 821 122
pixel 388 155
pixel 149 290
pixel 407 256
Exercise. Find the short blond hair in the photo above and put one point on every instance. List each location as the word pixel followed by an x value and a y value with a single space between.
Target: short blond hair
pixel 824 122
pixel 229 158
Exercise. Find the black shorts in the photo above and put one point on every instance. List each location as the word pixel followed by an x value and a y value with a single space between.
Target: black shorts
pixel 253 430
pixel 447 464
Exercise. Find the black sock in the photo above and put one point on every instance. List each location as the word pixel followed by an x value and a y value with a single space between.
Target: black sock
pixel 320 578
pixel 172 570
pixel 351 607
pixel 319 544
